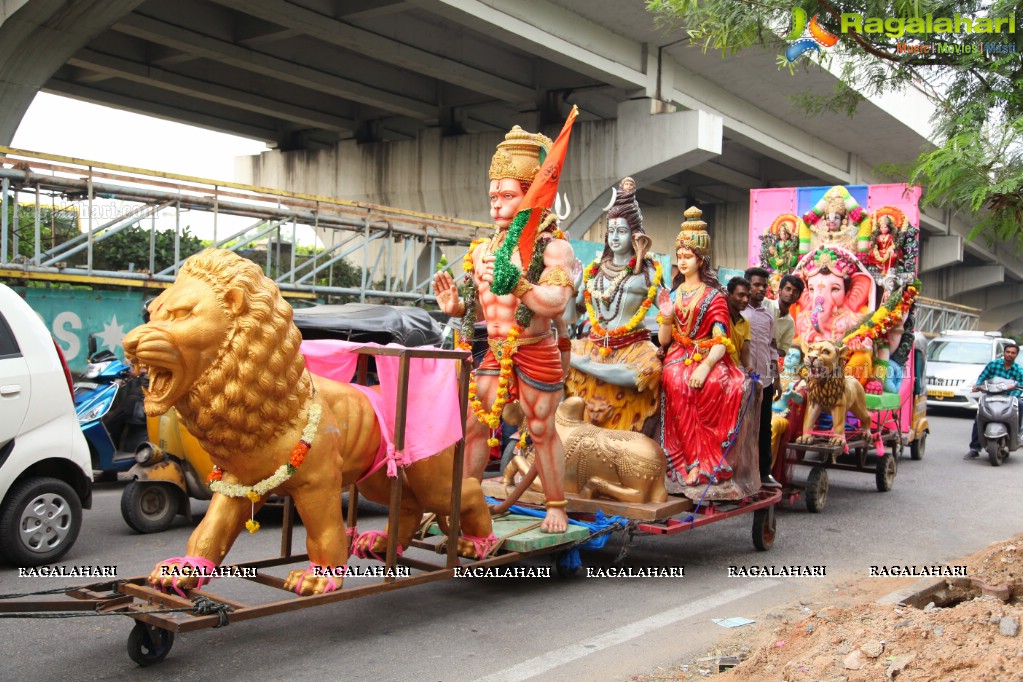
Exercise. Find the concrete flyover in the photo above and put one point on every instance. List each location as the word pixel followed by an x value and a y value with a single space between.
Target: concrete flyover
pixel 400 102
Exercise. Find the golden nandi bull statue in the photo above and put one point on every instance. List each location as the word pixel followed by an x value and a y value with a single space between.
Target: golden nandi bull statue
pixel 617 465
pixel 221 349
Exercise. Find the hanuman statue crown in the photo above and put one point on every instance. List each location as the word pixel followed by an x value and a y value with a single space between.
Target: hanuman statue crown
pixel 694 235
pixel 520 155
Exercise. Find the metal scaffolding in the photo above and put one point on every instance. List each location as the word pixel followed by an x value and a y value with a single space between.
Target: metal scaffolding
pixel 371 235
pixel 934 317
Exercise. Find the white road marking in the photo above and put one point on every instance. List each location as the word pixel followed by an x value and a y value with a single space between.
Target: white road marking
pixel 567 654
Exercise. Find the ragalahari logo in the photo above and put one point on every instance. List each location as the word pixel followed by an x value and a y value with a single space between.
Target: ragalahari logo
pixel 819 36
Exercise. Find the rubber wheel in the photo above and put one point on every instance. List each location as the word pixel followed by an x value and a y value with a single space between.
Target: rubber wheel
pixel 764 526
pixel 994 454
pixel 884 474
pixel 817 490
pixel 149 507
pixel 918 446
pixel 40 521
pixel 148 645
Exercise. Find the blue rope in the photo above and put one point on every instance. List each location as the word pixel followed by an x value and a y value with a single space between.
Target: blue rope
pixel 570 559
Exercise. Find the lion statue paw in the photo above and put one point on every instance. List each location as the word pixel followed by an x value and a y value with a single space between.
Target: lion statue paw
pixel 837 440
pixel 805 439
pixel 181 574
pixel 309 581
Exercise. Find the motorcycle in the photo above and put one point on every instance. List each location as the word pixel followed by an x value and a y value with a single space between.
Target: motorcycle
pixel 998 420
pixel 108 402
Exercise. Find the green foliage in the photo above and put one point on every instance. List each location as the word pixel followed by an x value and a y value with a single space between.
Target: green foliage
pixel 56 226
pixel 978 97
pixel 132 246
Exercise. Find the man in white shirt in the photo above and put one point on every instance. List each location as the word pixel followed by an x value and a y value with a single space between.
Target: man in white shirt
pixel 764 361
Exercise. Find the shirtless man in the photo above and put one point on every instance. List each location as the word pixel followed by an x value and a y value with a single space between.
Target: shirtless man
pixel 536 380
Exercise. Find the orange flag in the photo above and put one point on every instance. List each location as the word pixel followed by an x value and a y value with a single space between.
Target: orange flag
pixel 542 192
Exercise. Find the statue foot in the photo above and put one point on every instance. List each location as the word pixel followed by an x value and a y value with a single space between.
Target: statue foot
pixel 304 582
pixel 556 520
pixel 693 477
pixel 837 440
pixel 805 440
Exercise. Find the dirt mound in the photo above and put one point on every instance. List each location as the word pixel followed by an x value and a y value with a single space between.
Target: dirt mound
pixel 971 636
pixel 839 631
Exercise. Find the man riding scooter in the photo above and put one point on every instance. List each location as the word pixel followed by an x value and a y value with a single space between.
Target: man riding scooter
pixel 1003 368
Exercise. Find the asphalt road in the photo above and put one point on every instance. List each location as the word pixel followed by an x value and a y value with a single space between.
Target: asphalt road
pixel 544 628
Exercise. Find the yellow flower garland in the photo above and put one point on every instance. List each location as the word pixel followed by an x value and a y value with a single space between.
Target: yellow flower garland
pixel 636 319
pixel 492 418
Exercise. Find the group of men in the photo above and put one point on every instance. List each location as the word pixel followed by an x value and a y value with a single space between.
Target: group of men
pixel 762 332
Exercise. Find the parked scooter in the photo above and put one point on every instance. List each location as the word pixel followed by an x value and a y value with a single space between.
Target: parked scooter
pixel 171 468
pixel 998 420
pixel 108 402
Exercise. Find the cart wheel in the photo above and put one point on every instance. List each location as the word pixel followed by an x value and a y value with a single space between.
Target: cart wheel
pixel 566 566
pixel 764 526
pixel 917 447
pixel 148 645
pixel 816 490
pixel 884 474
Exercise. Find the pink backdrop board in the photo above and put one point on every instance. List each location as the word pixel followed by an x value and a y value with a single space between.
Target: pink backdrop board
pixel 899 195
pixel 764 206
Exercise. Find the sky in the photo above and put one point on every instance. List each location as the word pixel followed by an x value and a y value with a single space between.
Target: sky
pixel 60 125
pixel 70 127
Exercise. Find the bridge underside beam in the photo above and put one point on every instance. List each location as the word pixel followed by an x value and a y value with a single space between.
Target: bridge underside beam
pixel 650 147
pixel 36 39
pixel 940 252
pixel 992 297
pixel 951 283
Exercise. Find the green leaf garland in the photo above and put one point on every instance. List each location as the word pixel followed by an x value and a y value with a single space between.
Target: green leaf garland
pixel 506 274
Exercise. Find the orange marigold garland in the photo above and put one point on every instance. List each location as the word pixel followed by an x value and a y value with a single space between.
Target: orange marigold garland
pixel 637 318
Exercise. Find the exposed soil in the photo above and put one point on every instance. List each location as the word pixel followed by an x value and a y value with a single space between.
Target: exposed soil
pixel 842 633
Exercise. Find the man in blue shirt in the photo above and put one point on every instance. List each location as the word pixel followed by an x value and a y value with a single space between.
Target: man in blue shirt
pixel 1006 368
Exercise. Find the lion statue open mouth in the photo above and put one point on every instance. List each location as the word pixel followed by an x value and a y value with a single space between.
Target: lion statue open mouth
pixel 221 348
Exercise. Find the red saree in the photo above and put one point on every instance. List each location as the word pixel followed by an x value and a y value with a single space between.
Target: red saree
pixel 697 421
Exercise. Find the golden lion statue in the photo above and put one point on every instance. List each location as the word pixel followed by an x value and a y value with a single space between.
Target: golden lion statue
pixel 617 465
pixel 828 388
pixel 221 348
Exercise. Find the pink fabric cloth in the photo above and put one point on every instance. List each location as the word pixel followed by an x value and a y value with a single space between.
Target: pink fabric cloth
pixel 483 546
pixel 365 550
pixel 433 420
pixel 196 563
pixel 331 584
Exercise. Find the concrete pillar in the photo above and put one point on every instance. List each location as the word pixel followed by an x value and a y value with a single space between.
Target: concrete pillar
pixel 651 144
pixel 940 252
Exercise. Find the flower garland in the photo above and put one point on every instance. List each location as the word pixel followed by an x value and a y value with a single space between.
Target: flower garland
pixel 506 274
pixel 888 315
pixel 282 474
pixel 612 287
pixel 687 341
pixel 492 418
pixel 644 307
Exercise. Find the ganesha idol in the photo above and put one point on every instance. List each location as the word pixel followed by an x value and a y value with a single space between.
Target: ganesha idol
pixel 839 292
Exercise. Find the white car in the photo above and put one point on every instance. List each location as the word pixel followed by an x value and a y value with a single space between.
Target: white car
pixel 45 472
pixel 954 361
